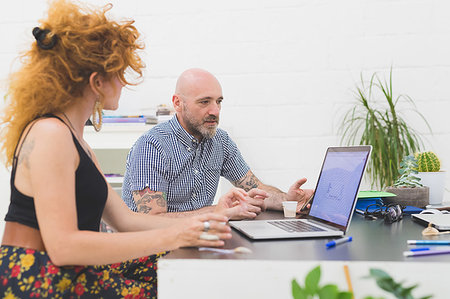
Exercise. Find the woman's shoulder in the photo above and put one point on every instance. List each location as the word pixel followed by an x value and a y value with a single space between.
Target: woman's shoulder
pixel 51 125
pixel 46 141
pixel 49 129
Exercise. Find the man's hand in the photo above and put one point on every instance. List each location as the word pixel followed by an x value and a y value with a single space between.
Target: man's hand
pixel 300 195
pixel 238 204
pixel 256 199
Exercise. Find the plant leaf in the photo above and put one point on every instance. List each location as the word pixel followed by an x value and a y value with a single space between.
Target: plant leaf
pixel 345 295
pixel 378 273
pixel 297 291
pixel 329 291
pixel 312 281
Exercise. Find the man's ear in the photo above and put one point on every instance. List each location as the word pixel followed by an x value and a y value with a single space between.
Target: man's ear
pixel 176 101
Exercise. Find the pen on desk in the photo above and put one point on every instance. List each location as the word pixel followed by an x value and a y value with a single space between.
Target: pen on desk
pixel 338 241
pixel 428 242
pixel 425 252
pixel 420 249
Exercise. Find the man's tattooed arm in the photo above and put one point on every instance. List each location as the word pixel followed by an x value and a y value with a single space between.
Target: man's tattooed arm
pixel 150 202
pixel 248 182
pixel 155 202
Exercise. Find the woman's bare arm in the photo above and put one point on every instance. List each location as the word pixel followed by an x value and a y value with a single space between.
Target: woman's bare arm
pixel 52 162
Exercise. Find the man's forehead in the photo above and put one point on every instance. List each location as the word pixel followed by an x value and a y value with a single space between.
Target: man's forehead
pixel 203 91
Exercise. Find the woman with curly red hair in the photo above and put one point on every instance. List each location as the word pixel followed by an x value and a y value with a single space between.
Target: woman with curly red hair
pixel 51 245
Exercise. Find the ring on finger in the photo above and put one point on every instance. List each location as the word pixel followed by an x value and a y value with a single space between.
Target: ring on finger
pixel 206 226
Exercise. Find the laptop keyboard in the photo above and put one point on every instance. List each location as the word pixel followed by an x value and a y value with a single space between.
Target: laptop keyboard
pixel 296 226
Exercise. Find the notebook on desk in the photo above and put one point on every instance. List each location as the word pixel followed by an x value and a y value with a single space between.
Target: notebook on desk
pixel 332 205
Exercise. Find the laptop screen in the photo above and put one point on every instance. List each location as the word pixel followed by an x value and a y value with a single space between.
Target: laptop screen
pixel 338 184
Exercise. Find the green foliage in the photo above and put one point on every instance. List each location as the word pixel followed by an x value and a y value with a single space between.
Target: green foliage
pixel 387 283
pixel 331 291
pixel 377 122
pixel 427 162
pixel 313 290
pixel 407 171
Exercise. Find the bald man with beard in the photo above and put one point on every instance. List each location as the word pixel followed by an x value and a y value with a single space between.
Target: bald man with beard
pixel 174 168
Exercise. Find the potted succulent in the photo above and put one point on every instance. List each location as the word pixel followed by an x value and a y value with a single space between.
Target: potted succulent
pixel 376 120
pixel 431 175
pixel 409 190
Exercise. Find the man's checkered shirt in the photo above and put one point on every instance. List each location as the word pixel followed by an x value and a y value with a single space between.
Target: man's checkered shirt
pixel 168 159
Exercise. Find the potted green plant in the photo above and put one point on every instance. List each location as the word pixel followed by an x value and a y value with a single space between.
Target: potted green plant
pixel 431 175
pixel 409 190
pixel 376 120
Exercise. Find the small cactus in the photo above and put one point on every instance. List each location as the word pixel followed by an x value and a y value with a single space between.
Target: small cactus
pixel 427 162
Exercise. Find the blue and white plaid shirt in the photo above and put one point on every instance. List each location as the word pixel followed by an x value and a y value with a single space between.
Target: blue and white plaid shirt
pixel 169 159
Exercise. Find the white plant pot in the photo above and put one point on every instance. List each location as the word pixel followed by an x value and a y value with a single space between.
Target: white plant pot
pixel 436 182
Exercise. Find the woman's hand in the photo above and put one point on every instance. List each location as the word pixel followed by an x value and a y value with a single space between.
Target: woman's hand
pixel 207 230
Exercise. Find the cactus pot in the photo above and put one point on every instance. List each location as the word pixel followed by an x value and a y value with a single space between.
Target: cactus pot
pixel 416 197
pixel 436 182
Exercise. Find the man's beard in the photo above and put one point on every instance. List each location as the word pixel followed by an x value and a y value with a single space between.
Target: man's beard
pixel 196 126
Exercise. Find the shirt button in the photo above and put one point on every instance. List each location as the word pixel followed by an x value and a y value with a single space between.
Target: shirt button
pixel 194 195
pixel 195 171
pixel 189 149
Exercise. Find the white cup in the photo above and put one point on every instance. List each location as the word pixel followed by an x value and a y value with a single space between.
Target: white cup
pixel 290 208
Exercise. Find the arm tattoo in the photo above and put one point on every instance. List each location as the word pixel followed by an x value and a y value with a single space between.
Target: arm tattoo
pixel 248 182
pixel 162 200
pixel 25 151
pixel 146 199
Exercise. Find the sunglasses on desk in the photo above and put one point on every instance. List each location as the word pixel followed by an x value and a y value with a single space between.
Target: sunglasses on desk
pixel 391 213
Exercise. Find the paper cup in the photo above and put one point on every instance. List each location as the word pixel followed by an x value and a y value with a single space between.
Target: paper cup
pixel 289 208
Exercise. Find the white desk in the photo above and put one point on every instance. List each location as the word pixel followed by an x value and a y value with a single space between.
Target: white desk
pixel 268 271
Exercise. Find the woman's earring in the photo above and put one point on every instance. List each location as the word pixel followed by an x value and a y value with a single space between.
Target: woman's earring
pixel 97 113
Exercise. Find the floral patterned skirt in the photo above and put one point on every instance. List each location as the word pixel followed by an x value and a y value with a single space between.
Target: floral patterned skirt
pixel 27 273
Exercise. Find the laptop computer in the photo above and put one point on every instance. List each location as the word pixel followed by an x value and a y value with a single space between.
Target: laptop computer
pixel 332 204
pixel 440 221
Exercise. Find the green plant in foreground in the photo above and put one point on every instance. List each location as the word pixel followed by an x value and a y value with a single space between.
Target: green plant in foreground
pixel 331 291
pixel 427 162
pixel 387 283
pixel 407 171
pixel 377 122
pixel 313 290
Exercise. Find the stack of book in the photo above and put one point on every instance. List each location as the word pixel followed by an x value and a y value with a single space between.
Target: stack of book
pixel 124 120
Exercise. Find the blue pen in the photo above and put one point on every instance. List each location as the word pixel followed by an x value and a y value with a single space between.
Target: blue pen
pixel 338 241
pixel 428 242
pixel 419 249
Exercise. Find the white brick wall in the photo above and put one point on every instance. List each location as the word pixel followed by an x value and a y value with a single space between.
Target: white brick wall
pixel 288 68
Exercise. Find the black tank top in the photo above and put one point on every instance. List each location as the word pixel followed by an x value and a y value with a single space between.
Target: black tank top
pixel 91 192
